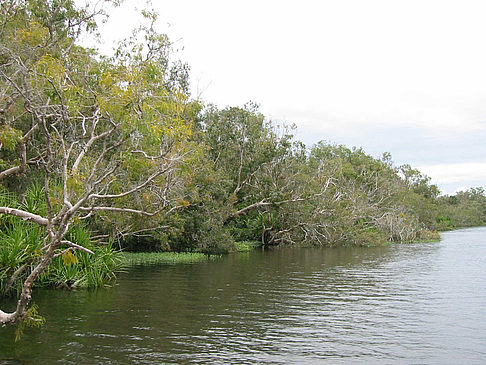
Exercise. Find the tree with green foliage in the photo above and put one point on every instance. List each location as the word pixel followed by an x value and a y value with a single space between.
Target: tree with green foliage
pixel 263 169
pixel 366 202
pixel 104 135
pixel 464 209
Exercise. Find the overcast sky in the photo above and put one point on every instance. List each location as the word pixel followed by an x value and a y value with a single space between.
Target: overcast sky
pixel 405 77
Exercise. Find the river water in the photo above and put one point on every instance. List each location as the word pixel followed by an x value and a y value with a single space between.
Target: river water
pixel 403 304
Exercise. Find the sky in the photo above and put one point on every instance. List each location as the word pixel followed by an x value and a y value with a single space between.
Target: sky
pixel 406 77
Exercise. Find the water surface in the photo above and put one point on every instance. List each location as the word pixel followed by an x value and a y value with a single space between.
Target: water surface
pixel 404 304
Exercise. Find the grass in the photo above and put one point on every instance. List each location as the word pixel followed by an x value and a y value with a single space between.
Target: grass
pixel 244 246
pixel 147 258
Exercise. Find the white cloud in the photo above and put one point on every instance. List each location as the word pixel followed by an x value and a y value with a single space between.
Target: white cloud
pixel 456 175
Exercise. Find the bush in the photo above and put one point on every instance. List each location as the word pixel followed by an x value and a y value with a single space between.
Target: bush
pixel 21 248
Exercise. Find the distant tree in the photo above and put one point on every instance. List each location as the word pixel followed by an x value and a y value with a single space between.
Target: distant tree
pixel 466 208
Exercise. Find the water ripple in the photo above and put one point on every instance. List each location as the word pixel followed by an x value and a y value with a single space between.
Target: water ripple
pixel 396 304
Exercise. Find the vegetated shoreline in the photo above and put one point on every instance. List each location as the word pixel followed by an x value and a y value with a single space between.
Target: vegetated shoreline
pixel 129 259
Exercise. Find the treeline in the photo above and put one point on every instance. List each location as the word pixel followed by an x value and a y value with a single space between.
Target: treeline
pixel 116 150
pixel 464 209
pixel 254 182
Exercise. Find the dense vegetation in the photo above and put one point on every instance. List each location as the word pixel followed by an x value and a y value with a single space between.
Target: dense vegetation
pixel 99 152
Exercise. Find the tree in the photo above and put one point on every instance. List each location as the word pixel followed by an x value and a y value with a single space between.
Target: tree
pixel 265 174
pixel 366 203
pixel 465 209
pixel 105 135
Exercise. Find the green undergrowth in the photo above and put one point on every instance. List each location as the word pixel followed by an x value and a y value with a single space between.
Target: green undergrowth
pixel 150 258
pixel 244 246
pixel 84 270
pixel 21 245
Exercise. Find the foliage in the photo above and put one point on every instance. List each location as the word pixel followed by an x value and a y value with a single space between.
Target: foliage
pixel 32 320
pixel 244 246
pixel 22 243
pixel 464 209
pixel 150 258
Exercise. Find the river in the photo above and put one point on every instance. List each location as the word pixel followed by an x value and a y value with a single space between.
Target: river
pixel 402 303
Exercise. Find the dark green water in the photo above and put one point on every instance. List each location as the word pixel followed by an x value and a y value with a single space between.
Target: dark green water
pixel 405 304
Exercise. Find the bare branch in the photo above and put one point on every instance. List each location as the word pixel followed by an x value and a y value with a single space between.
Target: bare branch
pixel 162 155
pixel 90 142
pixel 26 216
pixel 14 277
pixel 120 210
pixel 76 246
pixel 137 233
pixel 63 252
pixel 257 205
pixel 133 190
pixel 266 203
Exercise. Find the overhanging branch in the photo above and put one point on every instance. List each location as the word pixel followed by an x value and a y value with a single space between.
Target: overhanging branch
pixel 26 216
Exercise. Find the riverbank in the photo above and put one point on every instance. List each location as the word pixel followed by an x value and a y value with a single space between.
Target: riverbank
pixel 128 259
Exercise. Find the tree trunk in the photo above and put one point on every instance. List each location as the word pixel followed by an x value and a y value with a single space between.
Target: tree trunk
pixel 26 294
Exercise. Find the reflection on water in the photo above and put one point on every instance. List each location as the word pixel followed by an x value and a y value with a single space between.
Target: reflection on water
pixel 419 303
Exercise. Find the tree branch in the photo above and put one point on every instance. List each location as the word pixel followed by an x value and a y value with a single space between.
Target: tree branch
pixel 133 190
pixel 120 210
pixel 26 216
pixel 76 246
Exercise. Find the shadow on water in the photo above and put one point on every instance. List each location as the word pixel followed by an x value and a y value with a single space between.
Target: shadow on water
pixel 419 303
